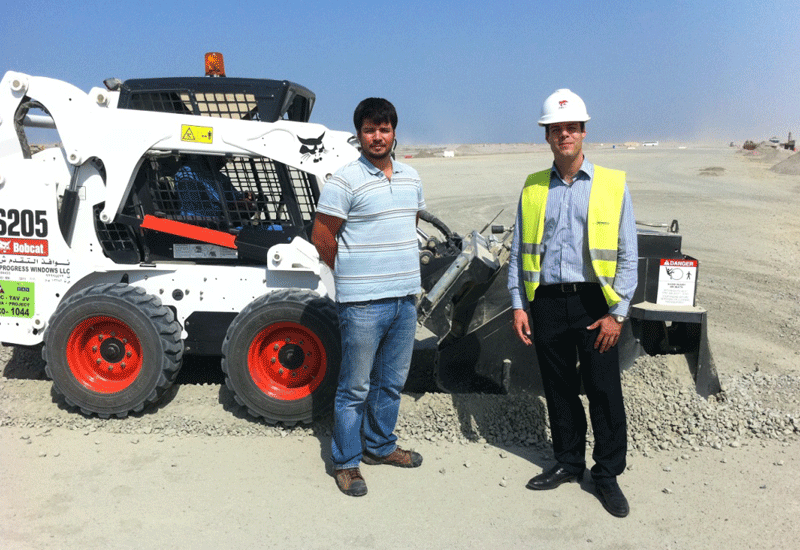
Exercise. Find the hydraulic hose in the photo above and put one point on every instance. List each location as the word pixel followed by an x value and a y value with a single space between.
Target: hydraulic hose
pixel 437 223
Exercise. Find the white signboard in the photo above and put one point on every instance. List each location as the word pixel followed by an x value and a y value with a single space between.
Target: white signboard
pixel 676 282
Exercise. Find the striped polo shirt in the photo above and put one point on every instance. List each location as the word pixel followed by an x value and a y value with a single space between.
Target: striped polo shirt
pixel 378 254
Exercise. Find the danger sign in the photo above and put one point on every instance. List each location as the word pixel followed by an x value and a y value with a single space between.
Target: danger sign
pixel 676 282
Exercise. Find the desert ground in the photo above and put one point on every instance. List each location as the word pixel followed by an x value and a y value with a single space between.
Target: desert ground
pixel 197 472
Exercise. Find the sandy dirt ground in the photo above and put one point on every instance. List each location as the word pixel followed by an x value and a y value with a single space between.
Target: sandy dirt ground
pixel 221 480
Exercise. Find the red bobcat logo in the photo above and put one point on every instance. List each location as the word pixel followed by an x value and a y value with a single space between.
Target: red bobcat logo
pixel 562 103
pixel 24 247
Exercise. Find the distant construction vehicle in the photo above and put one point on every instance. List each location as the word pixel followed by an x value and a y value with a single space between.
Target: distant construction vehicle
pixel 789 143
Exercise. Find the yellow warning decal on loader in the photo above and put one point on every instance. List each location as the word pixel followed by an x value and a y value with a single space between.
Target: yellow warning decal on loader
pixel 196 134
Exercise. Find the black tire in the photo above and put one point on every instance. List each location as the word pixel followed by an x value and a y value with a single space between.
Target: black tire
pixel 281 356
pixel 112 349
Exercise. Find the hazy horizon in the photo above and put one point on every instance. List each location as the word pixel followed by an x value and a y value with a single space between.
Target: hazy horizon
pixel 458 72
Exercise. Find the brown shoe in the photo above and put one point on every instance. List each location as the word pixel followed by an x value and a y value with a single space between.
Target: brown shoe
pixel 350 482
pixel 398 457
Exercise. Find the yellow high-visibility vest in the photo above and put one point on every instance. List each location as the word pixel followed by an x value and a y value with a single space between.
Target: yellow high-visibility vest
pixel 605 211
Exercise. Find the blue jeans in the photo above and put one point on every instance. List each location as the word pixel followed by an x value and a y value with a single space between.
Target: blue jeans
pixel 377 343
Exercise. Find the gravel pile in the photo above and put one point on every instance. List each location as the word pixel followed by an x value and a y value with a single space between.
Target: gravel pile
pixel 790 165
pixel 664 411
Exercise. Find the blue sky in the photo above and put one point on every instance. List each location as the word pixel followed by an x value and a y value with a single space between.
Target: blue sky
pixel 458 72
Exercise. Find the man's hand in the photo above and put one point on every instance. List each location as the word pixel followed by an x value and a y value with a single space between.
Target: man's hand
pixel 609 332
pixel 522 326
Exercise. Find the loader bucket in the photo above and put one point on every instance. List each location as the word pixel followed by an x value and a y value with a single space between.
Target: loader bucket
pixel 467 307
pixel 665 331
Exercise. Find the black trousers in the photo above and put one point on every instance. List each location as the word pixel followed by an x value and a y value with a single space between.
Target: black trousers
pixel 560 335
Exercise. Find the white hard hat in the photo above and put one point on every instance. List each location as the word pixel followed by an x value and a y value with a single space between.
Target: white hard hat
pixel 563 106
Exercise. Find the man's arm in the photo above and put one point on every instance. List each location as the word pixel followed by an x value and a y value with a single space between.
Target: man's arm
pixel 625 280
pixel 626 277
pixel 515 285
pixel 323 237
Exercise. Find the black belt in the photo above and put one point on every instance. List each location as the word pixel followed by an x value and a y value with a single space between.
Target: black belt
pixel 564 289
pixel 378 300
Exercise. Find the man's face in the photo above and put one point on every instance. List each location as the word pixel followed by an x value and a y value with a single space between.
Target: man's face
pixel 566 139
pixel 376 139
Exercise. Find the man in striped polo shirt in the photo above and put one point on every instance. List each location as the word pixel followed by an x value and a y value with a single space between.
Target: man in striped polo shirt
pixel 365 231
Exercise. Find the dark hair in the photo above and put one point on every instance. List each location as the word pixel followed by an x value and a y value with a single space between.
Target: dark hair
pixel 377 110
pixel 547 129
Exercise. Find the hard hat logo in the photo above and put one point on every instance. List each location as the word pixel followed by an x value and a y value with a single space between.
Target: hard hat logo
pixel 563 106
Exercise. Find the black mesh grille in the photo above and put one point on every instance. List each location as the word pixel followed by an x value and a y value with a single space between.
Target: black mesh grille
pixel 227 105
pixel 228 193
pixel 166 102
pixel 236 98
pixel 220 105
pixel 305 200
pixel 117 239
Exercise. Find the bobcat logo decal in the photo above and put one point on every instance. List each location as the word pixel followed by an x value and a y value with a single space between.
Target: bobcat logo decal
pixel 312 148
pixel 5 246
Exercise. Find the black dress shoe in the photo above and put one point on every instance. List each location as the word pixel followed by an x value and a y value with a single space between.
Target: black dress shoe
pixel 611 496
pixel 552 478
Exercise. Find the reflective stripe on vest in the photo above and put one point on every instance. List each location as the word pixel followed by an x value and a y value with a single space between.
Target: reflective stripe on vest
pixel 605 210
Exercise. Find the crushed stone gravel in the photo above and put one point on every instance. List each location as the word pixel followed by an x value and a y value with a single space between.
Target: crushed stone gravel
pixel 665 414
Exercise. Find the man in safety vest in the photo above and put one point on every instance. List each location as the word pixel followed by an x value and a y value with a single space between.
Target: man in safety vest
pixel 573 272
